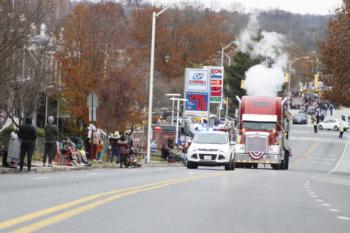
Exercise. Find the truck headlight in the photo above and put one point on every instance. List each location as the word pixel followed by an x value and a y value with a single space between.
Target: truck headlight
pixel 274 149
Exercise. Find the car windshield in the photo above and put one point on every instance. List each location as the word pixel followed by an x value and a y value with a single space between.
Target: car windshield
pixel 210 138
pixel 259 125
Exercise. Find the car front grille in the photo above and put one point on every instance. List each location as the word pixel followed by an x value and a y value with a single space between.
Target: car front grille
pixel 256 144
pixel 201 156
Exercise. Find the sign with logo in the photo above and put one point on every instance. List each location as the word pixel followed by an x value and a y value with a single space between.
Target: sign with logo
pixel 197 104
pixel 216 74
pixel 196 80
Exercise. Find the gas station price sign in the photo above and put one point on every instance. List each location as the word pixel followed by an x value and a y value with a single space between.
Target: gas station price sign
pixel 198 103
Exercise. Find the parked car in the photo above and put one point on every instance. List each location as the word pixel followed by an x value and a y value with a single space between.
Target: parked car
pixel 211 148
pixel 333 124
pixel 300 118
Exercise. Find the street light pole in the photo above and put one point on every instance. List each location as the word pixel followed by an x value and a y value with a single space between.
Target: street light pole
pixel 173 105
pixel 151 78
pixel 229 59
pixel 223 50
pixel 177 121
pixel 177 116
pixel 290 62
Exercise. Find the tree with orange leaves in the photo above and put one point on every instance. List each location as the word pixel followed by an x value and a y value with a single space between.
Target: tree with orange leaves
pixel 184 37
pixel 87 41
pixel 335 55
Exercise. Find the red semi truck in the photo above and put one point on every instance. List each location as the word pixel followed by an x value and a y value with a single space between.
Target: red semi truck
pixel 262 133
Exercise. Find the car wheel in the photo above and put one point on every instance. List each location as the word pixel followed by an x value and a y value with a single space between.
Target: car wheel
pixel 336 128
pixel 230 165
pixel 190 165
pixel 320 127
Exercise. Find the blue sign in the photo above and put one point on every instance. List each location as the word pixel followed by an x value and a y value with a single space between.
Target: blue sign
pixel 197 102
pixel 198 76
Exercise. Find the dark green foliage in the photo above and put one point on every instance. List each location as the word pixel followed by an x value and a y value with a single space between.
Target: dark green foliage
pixel 235 74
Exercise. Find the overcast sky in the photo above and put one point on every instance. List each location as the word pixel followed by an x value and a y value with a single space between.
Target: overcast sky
pixel 296 6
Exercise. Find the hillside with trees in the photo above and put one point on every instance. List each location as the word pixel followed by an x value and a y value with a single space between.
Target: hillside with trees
pixel 86 52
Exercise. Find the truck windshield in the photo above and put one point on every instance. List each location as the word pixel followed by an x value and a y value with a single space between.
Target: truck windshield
pixel 259 125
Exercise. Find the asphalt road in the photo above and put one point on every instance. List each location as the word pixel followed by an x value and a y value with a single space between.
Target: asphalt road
pixel 310 197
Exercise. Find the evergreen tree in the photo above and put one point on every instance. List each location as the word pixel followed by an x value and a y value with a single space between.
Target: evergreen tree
pixel 234 75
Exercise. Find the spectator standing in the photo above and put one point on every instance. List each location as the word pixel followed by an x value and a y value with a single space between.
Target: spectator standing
pixel 99 150
pixel 51 136
pixel 113 142
pixel 154 146
pixel 14 150
pixel 318 117
pixel 314 123
pixel 123 150
pixel 331 109
pixel 27 134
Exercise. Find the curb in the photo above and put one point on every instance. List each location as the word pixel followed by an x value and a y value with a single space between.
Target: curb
pixel 43 170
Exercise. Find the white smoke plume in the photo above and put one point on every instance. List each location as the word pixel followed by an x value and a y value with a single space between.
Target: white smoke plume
pixel 262 79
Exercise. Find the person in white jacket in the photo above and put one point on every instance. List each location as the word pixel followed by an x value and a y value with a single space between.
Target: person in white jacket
pixel 14 150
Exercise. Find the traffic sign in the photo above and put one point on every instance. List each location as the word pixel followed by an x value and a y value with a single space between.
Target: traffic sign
pixel 92 100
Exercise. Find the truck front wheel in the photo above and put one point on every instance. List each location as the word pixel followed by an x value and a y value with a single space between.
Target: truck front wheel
pixel 286 160
pixel 275 166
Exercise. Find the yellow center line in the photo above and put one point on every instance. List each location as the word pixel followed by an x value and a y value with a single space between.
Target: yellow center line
pixel 306 154
pixel 40 213
pixel 76 211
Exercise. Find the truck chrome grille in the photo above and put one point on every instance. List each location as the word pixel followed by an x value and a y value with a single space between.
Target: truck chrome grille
pixel 256 144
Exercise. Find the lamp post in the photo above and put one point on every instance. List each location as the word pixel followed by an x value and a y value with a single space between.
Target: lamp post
pixel 290 62
pixel 177 115
pixel 150 102
pixel 229 59
pixel 223 50
pixel 173 105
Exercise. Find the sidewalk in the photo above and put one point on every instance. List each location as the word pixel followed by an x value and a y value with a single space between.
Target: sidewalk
pixel 38 168
pixel 343 165
pixel 338 113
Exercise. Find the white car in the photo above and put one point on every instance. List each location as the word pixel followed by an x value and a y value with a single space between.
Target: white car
pixel 211 148
pixel 332 124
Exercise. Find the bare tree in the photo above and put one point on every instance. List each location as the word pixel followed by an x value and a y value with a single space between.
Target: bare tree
pixel 24 59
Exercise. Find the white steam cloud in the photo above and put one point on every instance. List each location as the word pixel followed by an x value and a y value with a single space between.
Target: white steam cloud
pixel 262 79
